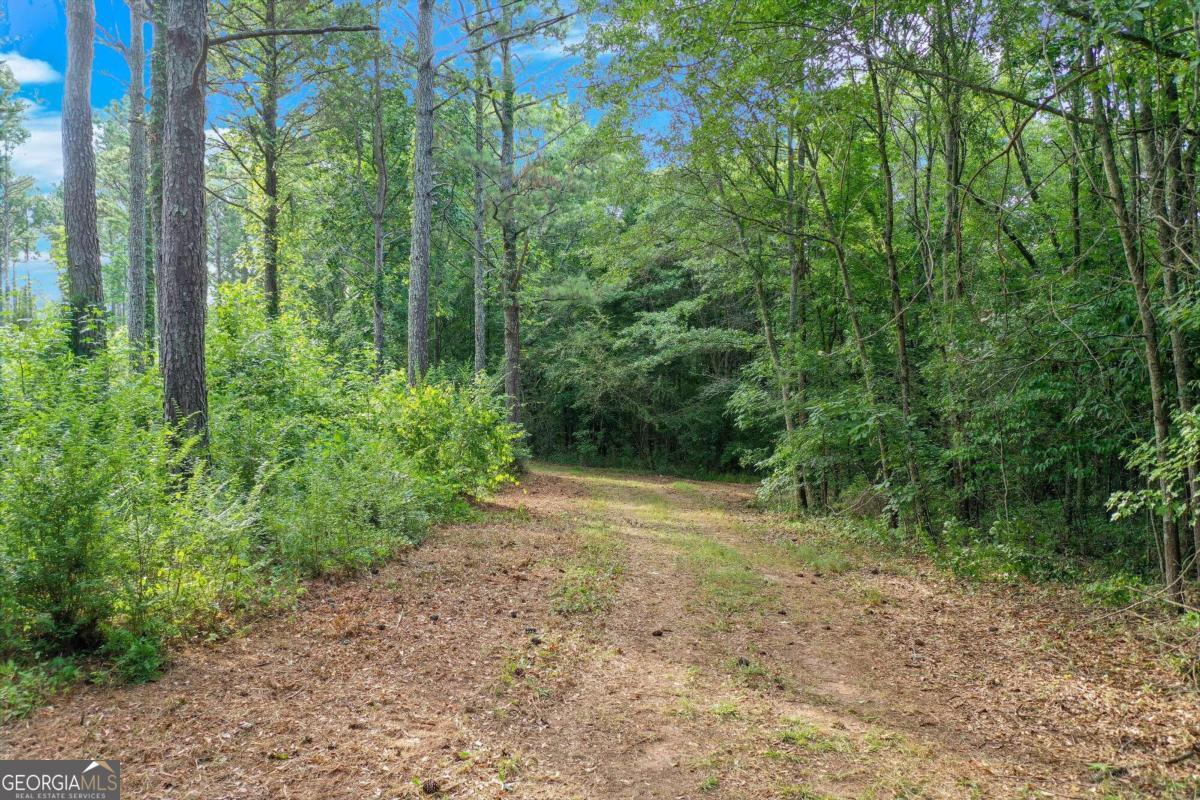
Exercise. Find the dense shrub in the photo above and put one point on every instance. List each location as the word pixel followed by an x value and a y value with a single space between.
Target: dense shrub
pixel 113 540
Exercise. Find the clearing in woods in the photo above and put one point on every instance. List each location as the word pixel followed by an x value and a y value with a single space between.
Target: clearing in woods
pixel 601 634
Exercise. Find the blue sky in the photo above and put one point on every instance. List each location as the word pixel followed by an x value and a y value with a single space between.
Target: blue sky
pixel 33 44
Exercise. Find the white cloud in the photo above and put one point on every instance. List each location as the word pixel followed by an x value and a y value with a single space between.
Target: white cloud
pixel 30 70
pixel 41 154
pixel 548 47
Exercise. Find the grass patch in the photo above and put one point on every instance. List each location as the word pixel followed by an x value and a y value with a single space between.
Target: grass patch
pixel 535 670
pixel 726 577
pixel 726 709
pixel 827 555
pixel 873 597
pixel 589 584
pixel 806 736
pixel 795 791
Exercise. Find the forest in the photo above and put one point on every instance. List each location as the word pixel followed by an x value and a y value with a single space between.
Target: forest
pixel 899 295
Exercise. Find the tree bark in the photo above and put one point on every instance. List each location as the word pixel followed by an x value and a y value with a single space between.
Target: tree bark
pixel 184 273
pixel 480 287
pixel 158 115
pixel 1164 164
pixel 379 159
pixel 422 212
pixel 508 227
pixel 6 264
pixel 795 218
pixel 85 291
pixel 136 279
pixel 270 151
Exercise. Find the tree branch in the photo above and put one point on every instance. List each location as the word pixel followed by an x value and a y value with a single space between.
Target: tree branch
pixel 214 41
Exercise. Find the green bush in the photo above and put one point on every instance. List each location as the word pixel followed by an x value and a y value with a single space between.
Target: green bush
pixel 115 540
pixel 1117 591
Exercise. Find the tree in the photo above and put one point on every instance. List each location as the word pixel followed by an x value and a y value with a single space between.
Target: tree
pixel 13 209
pixel 85 287
pixel 183 272
pixel 479 209
pixel 267 54
pixel 422 213
pixel 138 144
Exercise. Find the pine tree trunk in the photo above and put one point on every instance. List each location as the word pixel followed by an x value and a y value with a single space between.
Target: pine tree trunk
pixel 795 216
pixel 508 229
pixel 379 159
pixel 6 263
pixel 184 274
pixel 422 212
pixel 85 291
pixel 480 287
pixel 270 151
pixel 136 280
pixel 158 115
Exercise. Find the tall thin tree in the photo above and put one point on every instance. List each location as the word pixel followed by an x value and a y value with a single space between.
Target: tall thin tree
pixel 379 161
pixel 136 280
pixel 183 269
pixel 422 211
pixel 480 256
pixel 85 290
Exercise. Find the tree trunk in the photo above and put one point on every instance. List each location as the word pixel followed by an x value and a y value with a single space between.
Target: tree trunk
pixel 379 159
pixel 795 217
pixel 85 291
pixel 136 280
pixel 899 312
pixel 1137 275
pixel 480 288
pixel 216 222
pixel 1164 165
pixel 270 148
pixel 6 264
pixel 422 212
pixel 158 116
pixel 508 229
pixel 785 398
pixel 184 275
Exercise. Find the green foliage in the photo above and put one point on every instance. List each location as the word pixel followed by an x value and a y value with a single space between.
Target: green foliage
pixel 1116 591
pixel 1007 551
pixel 24 687
pixel 116 537
pixel 135 659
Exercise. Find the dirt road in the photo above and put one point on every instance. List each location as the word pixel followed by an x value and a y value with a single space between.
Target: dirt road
pixel 604 635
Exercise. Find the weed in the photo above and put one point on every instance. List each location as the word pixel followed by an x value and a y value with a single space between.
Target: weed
pixel 22 689
pixel 873 597
pixel 807 736
pixel 794 791
pixel 726 709
pixel 508 768
pixel 589 584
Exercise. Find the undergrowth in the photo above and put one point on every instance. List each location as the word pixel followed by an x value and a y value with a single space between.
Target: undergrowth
pixel 116 541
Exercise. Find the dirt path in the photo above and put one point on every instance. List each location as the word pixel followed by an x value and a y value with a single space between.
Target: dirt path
pixel 610 635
